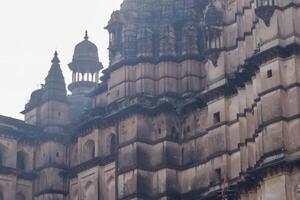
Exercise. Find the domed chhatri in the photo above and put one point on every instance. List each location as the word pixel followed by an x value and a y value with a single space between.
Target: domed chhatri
pixel 85 58
pixel 212 16
pixel 85 66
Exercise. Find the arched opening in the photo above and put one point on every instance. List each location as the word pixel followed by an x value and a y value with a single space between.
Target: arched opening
pixel 112 144
pixel 75 195
pixel 20 196
pixel 90 191
pixel 89 150
pixel 174 133
pixel 22 160
pixel 3 155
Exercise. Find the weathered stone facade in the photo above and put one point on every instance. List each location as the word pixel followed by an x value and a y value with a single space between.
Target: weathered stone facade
pixel 201 101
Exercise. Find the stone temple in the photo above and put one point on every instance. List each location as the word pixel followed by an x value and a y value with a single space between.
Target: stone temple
pixel 200 101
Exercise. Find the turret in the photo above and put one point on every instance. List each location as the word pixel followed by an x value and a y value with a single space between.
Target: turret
pixel 85 67
pixel 114 29
pixel 213 33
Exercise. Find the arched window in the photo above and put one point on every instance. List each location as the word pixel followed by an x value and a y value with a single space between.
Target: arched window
pixel 20 196
pixel 22 160
pixel 89 150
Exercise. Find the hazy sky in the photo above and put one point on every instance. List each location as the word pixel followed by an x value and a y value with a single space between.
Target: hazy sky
pixel 31 30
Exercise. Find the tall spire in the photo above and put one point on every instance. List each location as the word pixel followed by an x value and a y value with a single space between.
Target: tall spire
pixel 86 37
pixel 55 60
pixel 55 87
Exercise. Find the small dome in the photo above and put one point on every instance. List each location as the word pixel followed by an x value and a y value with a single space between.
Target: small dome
pixel 86 50
pixel 35 99
pixel 36 96
pixel 212 15
pixel 85 58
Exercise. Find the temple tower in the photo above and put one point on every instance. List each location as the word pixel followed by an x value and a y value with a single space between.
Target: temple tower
pixel 54 110
pixel 48 109
pixel 48 106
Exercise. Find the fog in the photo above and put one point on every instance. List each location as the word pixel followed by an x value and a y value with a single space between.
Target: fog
pixel 32 30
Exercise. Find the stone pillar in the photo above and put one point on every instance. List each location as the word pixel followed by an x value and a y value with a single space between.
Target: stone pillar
pixel 97 77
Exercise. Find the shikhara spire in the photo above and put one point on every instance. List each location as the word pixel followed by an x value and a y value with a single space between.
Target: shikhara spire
pixel 55 87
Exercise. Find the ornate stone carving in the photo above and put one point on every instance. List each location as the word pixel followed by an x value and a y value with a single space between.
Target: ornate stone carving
pixel 129 41
pixel 189 39
pixel 167 41
pixel 145 41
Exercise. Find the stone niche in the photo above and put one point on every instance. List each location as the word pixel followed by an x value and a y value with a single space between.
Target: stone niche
pixel 172 153
pixel 88 184
pixel 24 190
pixel 127 184
pixel 50 178
pixel 150 155
pixel 128 128
pixel 7 187
pixel 127 156
pixel 8 152
pixel 151 184
pixel 108 182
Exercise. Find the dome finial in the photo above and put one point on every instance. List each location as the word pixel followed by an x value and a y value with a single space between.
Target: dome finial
pixel 86 37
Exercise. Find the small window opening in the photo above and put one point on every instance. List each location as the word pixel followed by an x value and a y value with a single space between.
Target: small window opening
pixel 218 174
pixel 217 118
pixel 159 130
pixel 57 154
pixel 188 129
pixel 113 144
pixel 269 73
pixel 174 133
pixel 21 161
